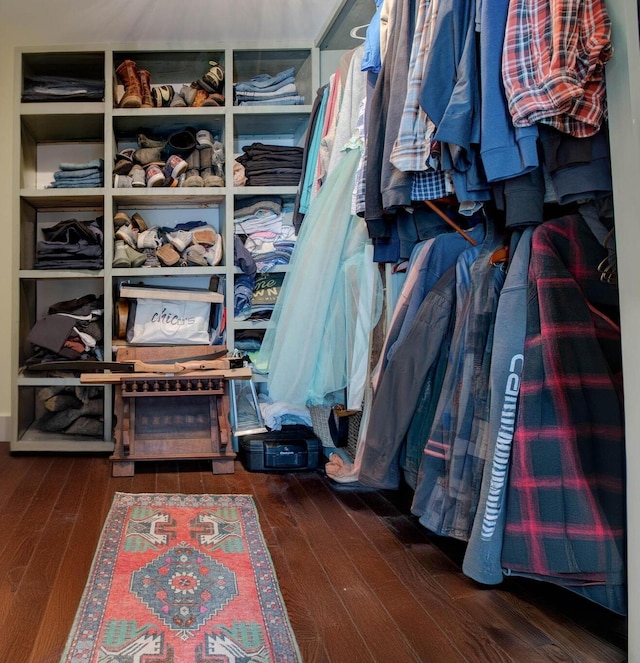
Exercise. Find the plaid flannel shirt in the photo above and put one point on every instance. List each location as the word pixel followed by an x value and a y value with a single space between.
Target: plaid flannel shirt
pixel 553 63
pixel 566 500
pixel 411 148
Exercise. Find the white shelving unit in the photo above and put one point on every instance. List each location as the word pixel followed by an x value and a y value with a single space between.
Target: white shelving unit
pixel 78 131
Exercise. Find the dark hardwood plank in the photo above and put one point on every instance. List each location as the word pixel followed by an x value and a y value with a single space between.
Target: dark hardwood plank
pixel 67 584
pixel 362 580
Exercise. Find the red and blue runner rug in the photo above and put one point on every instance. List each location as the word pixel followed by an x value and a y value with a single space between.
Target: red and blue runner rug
pixel 182 579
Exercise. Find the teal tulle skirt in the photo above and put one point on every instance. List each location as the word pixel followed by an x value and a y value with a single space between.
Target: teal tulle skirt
pixel 316 347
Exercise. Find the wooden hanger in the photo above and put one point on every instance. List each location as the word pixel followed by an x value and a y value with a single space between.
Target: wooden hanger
pixel 452 223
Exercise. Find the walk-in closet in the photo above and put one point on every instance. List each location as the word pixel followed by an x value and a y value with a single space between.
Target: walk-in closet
pixel 368 266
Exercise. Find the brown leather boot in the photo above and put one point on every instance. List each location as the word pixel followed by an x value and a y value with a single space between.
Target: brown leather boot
pixel 145 88
pixel 127 72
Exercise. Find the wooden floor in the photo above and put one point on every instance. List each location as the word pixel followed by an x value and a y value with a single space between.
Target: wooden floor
pixel 362 580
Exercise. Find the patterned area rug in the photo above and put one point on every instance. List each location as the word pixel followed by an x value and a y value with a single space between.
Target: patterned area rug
pixel 182 579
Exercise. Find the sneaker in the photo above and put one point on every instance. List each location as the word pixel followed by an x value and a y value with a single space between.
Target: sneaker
pixel 174 167
pixel 127 235
pixel 204 138
pixel 213 254
pixel 151 258
pixel 213 80
pixel 149 239
pixel 138 176
pixel 204 235
pixel 180 239
pixel 155 176
pixel 196 255
pixel 120 257
pixel 162 95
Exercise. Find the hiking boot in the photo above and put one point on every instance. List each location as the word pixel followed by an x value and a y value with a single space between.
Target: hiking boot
pixel 213 80
pixel 145 88
pixel 193 170
pixel 180 239
pixel 120 257
pixel 138 176
pixel 127 73
pixel 155 176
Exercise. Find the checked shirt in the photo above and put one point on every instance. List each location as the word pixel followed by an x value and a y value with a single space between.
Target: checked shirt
pixel 553 63
pixel 566 503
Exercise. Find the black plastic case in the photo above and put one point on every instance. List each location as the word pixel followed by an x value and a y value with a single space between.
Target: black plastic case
pixel 292 448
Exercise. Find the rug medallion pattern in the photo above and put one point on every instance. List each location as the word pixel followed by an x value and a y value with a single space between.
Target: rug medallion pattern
pixel 181 579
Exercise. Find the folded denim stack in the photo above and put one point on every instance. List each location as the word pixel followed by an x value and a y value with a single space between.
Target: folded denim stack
pixel 271 165
pixel 71 244
pixel 79 175
pixel 263 89
pixel 61 88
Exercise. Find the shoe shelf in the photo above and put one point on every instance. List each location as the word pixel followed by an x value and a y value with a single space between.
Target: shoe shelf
pixel 73 130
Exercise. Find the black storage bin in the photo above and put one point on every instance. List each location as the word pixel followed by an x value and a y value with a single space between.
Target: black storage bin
pixel 292 448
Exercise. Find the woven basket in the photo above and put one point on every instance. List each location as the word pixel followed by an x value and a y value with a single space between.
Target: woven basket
pixel 320 424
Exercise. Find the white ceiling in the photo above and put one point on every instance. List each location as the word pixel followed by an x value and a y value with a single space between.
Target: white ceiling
pixel 172 21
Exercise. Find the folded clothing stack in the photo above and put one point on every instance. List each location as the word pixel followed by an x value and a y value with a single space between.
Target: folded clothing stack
pixel 71 244
pixel 259 222
pixel 271 165
pixel 255 297
pixel 79 175
pixel 62 88
pixel 264 89
pixel 71 329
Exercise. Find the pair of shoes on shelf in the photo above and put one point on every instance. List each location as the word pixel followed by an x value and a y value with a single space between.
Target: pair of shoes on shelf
pixel 200 169
pixel 162 95
pixel 126 256
pixel 137 86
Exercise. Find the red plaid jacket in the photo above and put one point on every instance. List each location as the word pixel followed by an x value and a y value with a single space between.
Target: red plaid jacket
pixel 566 497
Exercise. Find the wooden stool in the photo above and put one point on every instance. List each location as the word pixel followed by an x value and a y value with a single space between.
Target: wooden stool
pixel 171 417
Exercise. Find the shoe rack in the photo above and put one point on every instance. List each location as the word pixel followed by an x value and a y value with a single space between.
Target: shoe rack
pixel 53 132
